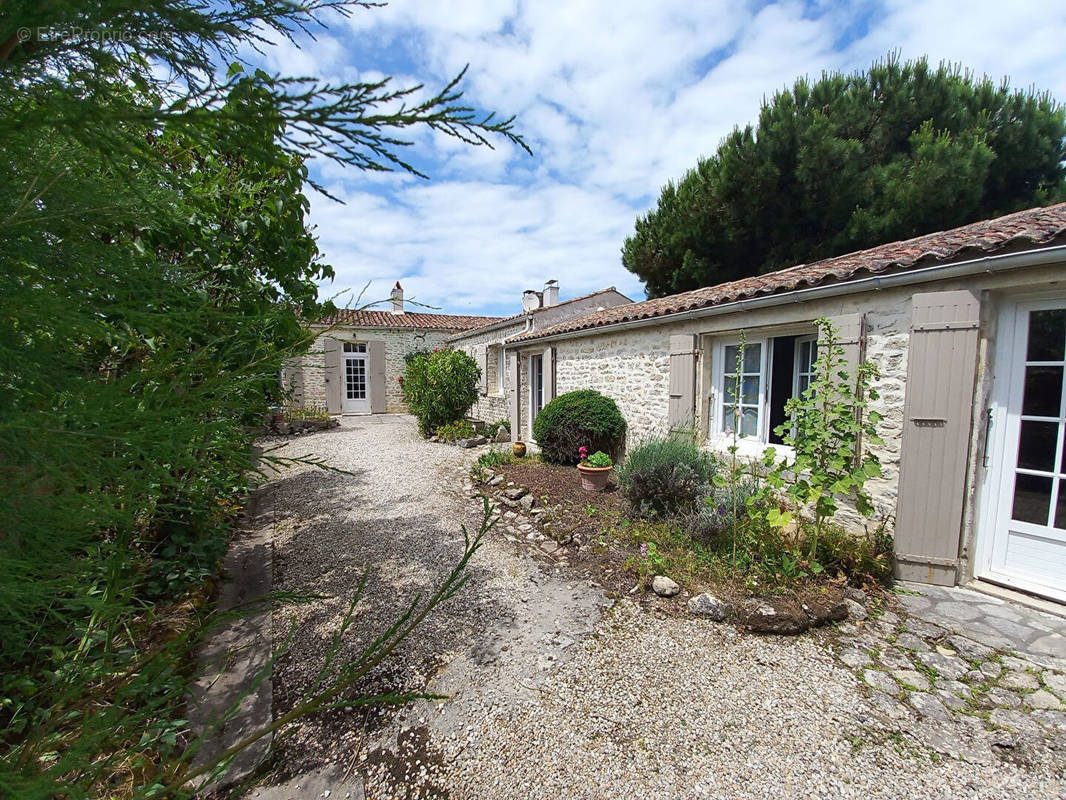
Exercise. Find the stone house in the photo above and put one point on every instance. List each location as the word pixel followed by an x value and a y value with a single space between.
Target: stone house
pixel 968 330
pixel 539 310
pixel 358 356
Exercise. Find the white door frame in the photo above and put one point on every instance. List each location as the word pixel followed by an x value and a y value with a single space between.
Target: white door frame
pixel 355 405
pixel 533 389
pixel 1003 441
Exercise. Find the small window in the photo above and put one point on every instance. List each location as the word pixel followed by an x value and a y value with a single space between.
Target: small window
pixel 743 414
pixel 355 347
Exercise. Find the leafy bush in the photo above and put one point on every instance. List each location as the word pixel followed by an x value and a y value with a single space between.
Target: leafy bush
pixel 493 428
pixel 863 559
pixel 495 458
pixel 665 475
pixel 461 429
pixel 584 418
pixel 440 387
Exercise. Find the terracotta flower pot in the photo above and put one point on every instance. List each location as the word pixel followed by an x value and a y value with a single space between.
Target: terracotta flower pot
pixel 594 479
pixel 519 449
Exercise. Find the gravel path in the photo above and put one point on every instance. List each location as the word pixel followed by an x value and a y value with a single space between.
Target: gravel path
pixel 557 693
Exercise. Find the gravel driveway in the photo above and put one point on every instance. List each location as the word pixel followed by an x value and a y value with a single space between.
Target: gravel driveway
pixel 556 692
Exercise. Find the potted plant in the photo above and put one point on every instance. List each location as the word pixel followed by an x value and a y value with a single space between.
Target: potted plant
pixel 594 469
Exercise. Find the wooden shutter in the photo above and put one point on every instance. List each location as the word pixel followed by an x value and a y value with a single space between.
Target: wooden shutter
pixel 937 412
pixel 852 338
pixel 549 375
pixel 376 349
pixel 682 409
pixel 334 376
pixel 513 388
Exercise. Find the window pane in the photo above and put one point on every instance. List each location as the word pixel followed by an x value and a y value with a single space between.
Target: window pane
pixel 730 388
pixel 1043 391
pixel 1036 446
pixel 749 422
pixel 1060 507
pixel 1032 499
pixel 752 358
pixel 1047 335
pixel 804 383
pixel 749 391
pixel 729 360
pixel 729 420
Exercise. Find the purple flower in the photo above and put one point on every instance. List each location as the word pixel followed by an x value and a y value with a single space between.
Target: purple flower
pixel 721 509
pixel 644 550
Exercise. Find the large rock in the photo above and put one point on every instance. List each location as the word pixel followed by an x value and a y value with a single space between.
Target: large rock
pixel 664 586
pixel 502 435
pixel 527 502
pixel 707 605
pixel 514 494
pixel 780 615
pixel 475 441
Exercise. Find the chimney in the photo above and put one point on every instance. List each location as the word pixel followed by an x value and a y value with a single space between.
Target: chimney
pixel 551 293
pixel 397 298
pixel 530 300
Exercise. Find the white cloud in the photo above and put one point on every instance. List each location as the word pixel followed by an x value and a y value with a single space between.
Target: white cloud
pixel 615 98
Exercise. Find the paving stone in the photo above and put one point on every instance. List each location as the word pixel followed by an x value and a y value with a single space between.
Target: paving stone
pixel 997 610
pixel 928 706
pixel 854 658
pixel 1020 680
pixel 912 677
pixel 894 658
pixel 963 611
pixel 1054 720
pixel 1043 699
pixel 1001 697
pixel 889 618
pixel 975 676
pixel 1056 682
pixel 955 687
pixel 968 648
pixel 1017 721
pixel 890 706
pixel 881 681
pixel 950 667
pixel 1017 664
pixel 951 701
pixel 911 642
pixel 926 630
pixel 991 669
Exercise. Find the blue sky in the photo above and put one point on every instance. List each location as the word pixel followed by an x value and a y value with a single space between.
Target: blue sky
pixel 615 98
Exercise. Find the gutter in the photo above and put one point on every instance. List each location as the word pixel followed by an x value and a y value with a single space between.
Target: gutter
pixel 957 269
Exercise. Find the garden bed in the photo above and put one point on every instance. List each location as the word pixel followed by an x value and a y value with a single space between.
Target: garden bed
pixel 598 535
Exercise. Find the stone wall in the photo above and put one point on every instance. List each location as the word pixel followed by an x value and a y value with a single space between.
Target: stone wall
pixel 483 347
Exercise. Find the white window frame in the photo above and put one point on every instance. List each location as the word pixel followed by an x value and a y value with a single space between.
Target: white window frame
pixel 798 373
pixel 533 388
pixel 750 446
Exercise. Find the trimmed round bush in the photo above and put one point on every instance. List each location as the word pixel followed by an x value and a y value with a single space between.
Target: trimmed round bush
pixel 440 387
pixel 666 476
pixel 575 419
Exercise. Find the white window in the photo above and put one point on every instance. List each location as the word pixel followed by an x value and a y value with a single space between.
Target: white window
pixel 536 387
pixel 501 368
pixel 750 387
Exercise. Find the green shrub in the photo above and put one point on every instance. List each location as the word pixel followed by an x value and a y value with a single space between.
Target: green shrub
pixel 461 429
pixel 495 458
pixel 665 475
pixel 440 387
pixel 584 418
pixel 493 428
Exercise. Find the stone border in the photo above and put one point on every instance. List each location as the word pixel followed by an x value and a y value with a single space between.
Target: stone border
pixel 237 651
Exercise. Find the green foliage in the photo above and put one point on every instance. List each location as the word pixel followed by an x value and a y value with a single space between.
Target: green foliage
pixel 493 428
pixel 460 429
pixel 848 162
pixel 584 418
pixel 862 559
pixel 496 458
pixel 157 269
pixel 665 475
pixel 315 413
pixel 599 460
pixel 829 424
pixel 440 387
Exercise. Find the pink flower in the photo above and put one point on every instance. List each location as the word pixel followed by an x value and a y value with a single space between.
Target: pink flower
pixel 583 452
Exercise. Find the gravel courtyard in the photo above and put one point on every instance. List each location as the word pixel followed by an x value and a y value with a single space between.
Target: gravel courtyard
pixel 556 691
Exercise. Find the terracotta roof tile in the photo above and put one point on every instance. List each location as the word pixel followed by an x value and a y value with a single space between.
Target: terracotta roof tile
pixel 1033 226
pixel 523 314
pixel 365 318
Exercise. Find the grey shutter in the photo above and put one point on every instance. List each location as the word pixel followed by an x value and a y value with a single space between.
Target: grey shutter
pixel 333 376
pixel 549 375
pixel 851 336
pixel 376 349
pixel 513 388
pixel 682 409
pixel 937 412
pixel 485 369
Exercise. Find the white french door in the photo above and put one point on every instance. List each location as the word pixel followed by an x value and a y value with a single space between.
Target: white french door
pixel 355 391
pixel 536 389
pixel 1023 530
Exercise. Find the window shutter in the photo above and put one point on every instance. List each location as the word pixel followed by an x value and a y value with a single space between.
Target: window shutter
pixel 937 413
pixel 513 388
pixel 851 334
pixel 334 376
pixel 549 375
pixel 484 352
pixel 682 409
pixel 376 349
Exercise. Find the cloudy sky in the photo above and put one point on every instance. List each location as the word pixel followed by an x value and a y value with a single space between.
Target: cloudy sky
pixel 615 98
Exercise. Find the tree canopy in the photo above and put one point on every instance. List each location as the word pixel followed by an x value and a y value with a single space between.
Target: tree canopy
pixel 848 162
